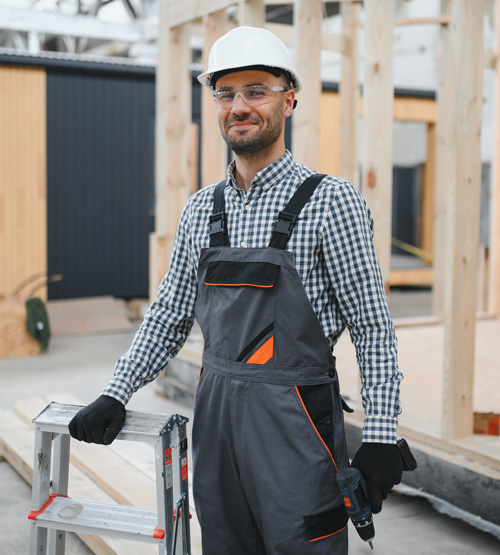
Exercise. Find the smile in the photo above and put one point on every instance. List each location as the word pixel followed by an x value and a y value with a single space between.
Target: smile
pixel 242 125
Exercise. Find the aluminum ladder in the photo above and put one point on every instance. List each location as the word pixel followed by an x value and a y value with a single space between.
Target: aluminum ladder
pixel 53 512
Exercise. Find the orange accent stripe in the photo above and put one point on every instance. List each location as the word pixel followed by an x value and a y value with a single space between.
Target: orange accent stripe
pixel 263 353
pixel 312 423
pixel 323 537
pixel 35 514
pixel 238 285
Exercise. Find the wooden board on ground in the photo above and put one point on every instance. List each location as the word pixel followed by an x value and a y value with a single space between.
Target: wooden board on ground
pixel 88 315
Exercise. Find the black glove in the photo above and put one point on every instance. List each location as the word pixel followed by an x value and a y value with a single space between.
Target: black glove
pixel 381 467
pixel 98 422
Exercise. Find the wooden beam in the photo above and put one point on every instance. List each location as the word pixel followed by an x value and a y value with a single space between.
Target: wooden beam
pixel 440 20
pixel 377 124
pixel 214 149
pixel 252 13
pixel 415 109
pixel 466 50
pixel 305 120
pixel 349 95
pixel 336 42
pixel 414 276
pixel 185 11
pixel 494 301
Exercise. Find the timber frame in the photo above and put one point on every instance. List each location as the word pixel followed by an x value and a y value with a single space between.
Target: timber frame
pixel 454 148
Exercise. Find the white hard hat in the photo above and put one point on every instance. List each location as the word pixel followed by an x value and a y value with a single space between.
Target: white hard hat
pixel 248 47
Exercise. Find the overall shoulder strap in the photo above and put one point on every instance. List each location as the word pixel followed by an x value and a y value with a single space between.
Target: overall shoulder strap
pixel 218 223
pixel 287 218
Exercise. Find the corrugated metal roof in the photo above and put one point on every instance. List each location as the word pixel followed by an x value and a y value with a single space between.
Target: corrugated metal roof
pixel 82 61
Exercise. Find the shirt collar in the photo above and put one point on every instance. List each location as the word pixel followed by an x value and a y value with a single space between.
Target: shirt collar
pixel 267 177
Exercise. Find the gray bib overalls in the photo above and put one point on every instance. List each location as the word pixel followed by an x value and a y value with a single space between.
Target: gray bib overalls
pixel 268 430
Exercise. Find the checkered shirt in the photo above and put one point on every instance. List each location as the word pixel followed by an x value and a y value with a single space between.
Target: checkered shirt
pixel 335 259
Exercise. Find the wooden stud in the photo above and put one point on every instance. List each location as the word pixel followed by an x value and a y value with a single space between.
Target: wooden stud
pixel 445 135
pixel 172 132
pixel 494 301
pixel 329 134
pixel 462 237
pixel 349 95
pixel 305 120
pixel 378 98
pixel 214 149
pixel 426 230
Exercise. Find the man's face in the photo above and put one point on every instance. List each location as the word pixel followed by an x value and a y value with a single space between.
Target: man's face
pixel 249 130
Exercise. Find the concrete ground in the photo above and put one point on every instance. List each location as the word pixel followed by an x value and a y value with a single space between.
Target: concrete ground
pixel 81 365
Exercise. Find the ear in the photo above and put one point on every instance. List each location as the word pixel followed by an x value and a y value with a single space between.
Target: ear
pixel 289 103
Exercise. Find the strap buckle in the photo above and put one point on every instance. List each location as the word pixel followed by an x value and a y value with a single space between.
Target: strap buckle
pixel 285 223
pixel 217 223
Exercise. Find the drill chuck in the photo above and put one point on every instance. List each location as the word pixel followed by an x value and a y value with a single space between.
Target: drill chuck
pixel 353 490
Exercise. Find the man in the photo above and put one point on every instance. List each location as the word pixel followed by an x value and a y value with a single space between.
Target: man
pixel 274 263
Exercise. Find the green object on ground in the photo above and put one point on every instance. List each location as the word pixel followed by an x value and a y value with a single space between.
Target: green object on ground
pixel 37 321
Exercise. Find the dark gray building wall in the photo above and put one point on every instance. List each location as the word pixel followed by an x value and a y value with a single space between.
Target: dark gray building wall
pixel 100 182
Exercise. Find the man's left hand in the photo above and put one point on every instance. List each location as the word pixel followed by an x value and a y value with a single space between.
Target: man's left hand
pixel 381 467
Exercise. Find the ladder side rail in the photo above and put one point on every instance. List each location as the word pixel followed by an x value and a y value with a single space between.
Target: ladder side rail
pixel 60 480
pixel 41 489
pixel 184 483
pixel 165 488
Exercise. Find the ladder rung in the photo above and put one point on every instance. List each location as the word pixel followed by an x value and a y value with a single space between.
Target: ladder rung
pixel 102 519
pixel 139 426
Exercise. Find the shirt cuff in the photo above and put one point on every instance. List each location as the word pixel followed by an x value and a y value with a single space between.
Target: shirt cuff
pixel 120 389
pixel 380 429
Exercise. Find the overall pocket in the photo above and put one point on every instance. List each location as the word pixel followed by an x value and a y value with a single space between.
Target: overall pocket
pixel 236 309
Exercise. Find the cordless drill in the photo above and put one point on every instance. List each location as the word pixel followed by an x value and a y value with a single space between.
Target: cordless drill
pixel 352 487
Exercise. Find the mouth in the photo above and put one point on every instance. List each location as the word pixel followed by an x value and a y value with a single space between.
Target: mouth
pixel 242 125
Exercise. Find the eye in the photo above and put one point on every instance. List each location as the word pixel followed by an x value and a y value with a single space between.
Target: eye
pixel 224 95
pixel 255 93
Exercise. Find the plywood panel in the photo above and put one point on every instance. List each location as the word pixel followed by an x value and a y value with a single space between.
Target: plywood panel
pixel 23 220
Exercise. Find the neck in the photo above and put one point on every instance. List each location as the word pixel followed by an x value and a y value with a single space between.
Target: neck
pixel 248 166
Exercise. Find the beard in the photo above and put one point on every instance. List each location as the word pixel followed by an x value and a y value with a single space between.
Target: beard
pixel 255 143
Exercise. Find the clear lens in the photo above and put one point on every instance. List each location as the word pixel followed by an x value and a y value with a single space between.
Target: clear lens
pixel 255 95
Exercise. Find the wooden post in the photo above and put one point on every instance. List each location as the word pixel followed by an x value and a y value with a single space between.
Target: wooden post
pixel 172 134
pixel 252 12
pixel 305 119
pixel 462 244
pixel 426 228
pixel 214 149
pixel 378 100
pixel 349 94
pixel 444 176
pixel 494 303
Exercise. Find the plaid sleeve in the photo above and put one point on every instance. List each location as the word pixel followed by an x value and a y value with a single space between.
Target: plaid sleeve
pixel 166 325
pixel 358 286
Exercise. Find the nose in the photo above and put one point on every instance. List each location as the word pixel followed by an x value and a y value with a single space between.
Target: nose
pixel 240 103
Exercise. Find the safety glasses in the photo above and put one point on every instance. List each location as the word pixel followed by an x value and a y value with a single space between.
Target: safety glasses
pixel 253 95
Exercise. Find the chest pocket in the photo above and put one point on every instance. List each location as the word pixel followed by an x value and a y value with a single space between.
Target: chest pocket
pixel 239 307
